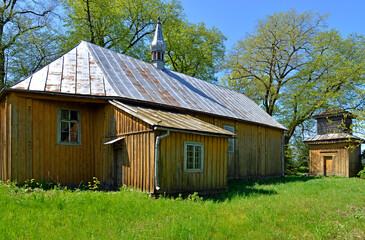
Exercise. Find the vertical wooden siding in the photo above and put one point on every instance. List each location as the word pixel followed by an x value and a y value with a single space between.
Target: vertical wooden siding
pixel 173 178
pixel 257 149
pixel 343 158
pixel 138 148
pixel 355 160
pixel 5 160
pixel 35 152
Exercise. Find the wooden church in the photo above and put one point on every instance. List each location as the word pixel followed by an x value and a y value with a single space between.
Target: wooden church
pixel 94 112
pixel 334 151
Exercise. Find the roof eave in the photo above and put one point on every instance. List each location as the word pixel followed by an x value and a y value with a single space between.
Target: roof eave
pixel 331 141
pixel 193 132
pixel 130 100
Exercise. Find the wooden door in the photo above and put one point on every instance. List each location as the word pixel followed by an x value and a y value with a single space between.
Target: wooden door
pixel 328 166
pixel 118 163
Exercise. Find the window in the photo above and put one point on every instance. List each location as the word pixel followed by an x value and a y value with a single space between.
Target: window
pixel 193 156
pixel 69 127
pixel 230 140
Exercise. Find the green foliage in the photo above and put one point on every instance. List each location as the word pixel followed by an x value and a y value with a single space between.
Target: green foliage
pixel 361 173
pixel 42 184
pixel 94 184
pixel 293 66
pixel 194 49
pixel 312 208
pixel 127 26
pixel 26 37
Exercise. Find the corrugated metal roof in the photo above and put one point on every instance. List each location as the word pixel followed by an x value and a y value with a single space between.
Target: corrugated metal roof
pixel 92 70
pixel 170 120
pixel 334 137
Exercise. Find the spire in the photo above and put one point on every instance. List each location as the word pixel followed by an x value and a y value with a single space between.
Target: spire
pixel 158 47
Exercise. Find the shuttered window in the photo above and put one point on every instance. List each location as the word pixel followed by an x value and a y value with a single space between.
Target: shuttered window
pixel 193 156
pixel 69 128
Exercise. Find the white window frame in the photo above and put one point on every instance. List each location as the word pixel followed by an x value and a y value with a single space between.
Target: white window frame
pixel 59 129
pixel 201 144
pixel 230 128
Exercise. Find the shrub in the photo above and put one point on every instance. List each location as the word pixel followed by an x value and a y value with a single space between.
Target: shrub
pixel 361 174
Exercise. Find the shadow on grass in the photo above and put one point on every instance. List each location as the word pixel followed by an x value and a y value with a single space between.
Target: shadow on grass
pixel 254 187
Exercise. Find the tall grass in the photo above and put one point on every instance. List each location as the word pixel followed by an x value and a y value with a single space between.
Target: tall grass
pixel 286 208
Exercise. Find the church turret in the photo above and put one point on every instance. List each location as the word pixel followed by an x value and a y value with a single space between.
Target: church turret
pixel 158 47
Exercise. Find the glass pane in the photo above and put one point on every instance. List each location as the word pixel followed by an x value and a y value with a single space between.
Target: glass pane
pixel 64 114
pixel 190 148
pixel 190 156
pixel 64 137
pixel 198 157
pixel 74 137
pixel 189 163
pixel 64 127
pixel 229 128
pixel 74 131
pixel 74 115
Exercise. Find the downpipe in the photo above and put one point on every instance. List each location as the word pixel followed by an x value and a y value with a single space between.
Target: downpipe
pixel 157 158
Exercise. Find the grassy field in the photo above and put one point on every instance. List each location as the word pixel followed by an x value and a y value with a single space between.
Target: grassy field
pixel 286 208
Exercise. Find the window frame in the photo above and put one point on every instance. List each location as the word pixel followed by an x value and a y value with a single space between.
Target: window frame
pixel 201 144
pixel 229 128
pixel 59 130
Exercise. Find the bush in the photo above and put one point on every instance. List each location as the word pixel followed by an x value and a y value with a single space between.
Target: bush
pixel 361 174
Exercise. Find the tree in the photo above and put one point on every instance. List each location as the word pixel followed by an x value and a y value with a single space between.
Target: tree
pixel 20 20
pixel 127 26
pixel 292 66
pixel 193 49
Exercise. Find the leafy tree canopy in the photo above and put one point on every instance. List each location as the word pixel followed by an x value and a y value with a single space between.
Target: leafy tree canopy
pixel 127 26
pixel 293 66
pixel 25 31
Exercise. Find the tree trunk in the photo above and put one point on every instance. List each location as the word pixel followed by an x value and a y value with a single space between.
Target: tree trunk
pixel 2 59
pixel 2 69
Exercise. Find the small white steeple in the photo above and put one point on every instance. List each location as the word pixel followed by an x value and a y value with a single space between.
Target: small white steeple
pixel 158 47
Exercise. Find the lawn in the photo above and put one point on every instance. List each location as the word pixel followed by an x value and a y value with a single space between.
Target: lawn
pixel 285 208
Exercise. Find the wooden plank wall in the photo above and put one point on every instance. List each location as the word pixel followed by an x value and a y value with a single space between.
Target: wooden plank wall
pixel 355 160
pixel 257 149
pixel 138 149
pixel 5 119
pixel 173 178
pixel 340 158
pixel 35 152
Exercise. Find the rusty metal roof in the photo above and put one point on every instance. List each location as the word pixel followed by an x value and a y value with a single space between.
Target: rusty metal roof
pixel 332 137
pixel 91 70
pixel 160 119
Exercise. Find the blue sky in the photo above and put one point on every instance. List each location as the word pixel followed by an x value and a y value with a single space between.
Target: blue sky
pixel 235 18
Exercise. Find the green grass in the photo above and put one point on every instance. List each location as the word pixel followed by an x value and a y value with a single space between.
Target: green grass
pixel 286 208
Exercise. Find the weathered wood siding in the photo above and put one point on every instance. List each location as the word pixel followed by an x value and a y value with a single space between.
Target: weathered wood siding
pixel 173 178
pixel 137 166
pixel 345 159
pixel 258 152
pixel 35 153
pixel 5 160
pixel 355 160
